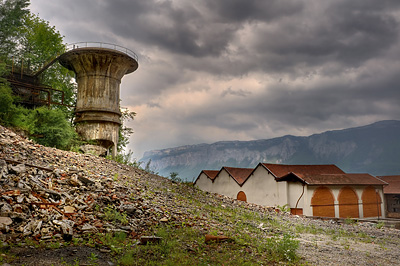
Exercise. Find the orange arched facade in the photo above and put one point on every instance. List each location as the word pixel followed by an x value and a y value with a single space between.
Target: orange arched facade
pixel 371 202
pixel 322 202
pixel 348 203
pixel 241 196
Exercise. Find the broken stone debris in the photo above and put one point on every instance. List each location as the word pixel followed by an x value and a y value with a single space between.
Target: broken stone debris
pixel 212 238
pixel 47 193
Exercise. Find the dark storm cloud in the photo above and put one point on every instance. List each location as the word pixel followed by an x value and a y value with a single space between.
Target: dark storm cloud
pixel 245 69
pixel 339 33
pixel 285 35
pixel 235 11
pixel 180 29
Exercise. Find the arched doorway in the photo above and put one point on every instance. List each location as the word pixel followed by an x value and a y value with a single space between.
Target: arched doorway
pixel 348 203
pixel 322 202
pixel 241 196
pixel 371 202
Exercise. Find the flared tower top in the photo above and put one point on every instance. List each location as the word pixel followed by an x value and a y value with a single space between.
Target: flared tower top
pixel 130 58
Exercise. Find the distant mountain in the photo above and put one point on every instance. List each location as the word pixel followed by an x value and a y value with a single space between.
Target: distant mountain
pixel 373 149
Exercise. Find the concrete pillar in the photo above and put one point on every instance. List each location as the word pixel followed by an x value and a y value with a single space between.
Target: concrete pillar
pixel 98 73
pixel 336 203
pixel 360 208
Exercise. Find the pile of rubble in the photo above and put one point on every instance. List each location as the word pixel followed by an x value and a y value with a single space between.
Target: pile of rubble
pixel 47 193
pixel 51 195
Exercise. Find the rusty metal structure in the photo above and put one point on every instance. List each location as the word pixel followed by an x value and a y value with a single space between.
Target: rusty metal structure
pixel 29 90
pixel 99 68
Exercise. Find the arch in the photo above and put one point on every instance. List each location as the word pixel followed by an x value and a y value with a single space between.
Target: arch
pixel 241 196
pixel 348 203
pixel 371 202
pixel 323 202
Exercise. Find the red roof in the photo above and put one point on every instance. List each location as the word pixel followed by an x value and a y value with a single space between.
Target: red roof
pixel 240 175
pixel 333 179
pixel 280 170
pixel 394 184
pixel 211 173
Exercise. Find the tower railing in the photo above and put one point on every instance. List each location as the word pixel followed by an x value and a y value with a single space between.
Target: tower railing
pixel 111 46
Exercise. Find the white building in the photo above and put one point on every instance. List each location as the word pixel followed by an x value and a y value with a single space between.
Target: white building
pixel 311 190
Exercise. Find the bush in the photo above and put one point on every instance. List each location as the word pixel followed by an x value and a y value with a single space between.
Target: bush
pixel 6 98
pixel 49 127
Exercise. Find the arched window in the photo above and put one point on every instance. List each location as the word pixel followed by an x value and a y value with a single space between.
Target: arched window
pixel 348 203
pixel 322 202
pixel 241 196
pixel 371 202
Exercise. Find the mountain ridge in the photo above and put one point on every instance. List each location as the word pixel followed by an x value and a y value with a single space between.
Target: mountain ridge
pixel 373 149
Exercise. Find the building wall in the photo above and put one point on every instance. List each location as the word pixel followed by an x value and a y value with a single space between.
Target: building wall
pixel 296 195
pixel 261 188
pixel 224 184
pixel 204 183
pixel 371 201
pixel 393 203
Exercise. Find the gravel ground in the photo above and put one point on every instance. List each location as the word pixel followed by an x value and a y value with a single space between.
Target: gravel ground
pixel 322 242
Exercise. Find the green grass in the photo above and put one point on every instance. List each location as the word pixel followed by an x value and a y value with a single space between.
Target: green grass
pixel 113 215
pixel 186 246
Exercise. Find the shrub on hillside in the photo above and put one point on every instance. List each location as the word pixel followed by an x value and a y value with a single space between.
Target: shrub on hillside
pixel 6 100
pixel 49 127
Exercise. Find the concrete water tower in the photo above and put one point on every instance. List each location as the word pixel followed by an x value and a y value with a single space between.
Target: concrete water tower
pixel 99 68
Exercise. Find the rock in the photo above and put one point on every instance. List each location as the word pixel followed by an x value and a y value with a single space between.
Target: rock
pixel 69 209
pixel 66 226
pixel 3 168
pixel 73 181
pixel 5 222
pixel 18 169
pixel 6 208
pixel 211 238
pixel 36 230
pixel 93 149
pixel 85 181
pixel 88 228
pixel 129 208
pixel 20 199
pixel 150 239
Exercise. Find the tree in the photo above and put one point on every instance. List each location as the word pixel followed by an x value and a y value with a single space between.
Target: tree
pixel 6 99
pixel 39 44
pixel 50 127
pixel 12 13
pixel 27 38
pixel 124 131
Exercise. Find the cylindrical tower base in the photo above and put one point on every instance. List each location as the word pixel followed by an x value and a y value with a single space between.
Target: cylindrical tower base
pixel 98 73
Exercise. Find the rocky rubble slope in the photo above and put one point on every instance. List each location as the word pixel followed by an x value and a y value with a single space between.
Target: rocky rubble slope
pixel 47 193
pixel 54 196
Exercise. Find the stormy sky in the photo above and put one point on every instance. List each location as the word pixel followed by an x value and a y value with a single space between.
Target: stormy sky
pixel 212 70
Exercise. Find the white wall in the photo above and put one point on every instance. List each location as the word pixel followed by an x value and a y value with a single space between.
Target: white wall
pixel 224 184
pixel 261 188
pixel 295 191
pixel 204 183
